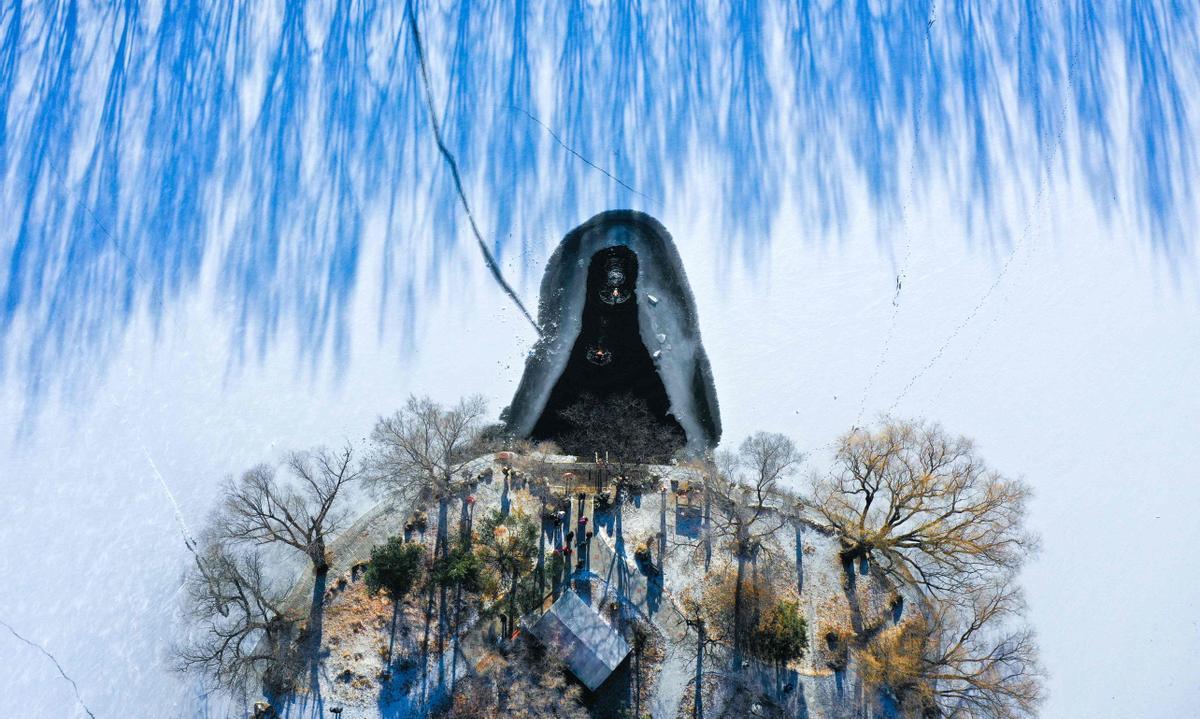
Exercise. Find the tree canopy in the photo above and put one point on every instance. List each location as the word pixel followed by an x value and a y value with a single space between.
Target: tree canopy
pixel 394 568
pixel 781 634
pixel 620 425
pixel 925 504
pixel 303 511
pixel 418 452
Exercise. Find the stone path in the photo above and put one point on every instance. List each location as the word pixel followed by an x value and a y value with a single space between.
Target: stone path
pixel 612 563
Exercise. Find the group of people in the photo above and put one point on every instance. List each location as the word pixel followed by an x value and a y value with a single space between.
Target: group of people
pixel 582 534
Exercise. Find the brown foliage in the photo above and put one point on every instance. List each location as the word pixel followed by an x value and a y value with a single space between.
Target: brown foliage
pixel 728 620
pixel 962 660
pixel 926 509
pixel 731 616
pixel 520 686
pixel 923 502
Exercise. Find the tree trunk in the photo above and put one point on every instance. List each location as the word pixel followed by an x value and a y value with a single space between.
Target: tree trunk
pixel 541 563
pixel 639 646
pixel 698 703
pixel 512 605
pixel 443 541
pixel 737 608
pixel 316 554
pixel 392 636
pixel 852 550
pixel 707 527
pixel 315 620
pixel 458 603
pixel 439 551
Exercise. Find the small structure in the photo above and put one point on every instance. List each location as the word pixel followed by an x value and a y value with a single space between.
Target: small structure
pixel 577 633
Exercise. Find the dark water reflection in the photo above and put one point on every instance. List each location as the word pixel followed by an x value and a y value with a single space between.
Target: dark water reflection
pixel 136 142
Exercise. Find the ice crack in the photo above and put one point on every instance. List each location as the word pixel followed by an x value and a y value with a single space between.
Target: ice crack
pixel 58 666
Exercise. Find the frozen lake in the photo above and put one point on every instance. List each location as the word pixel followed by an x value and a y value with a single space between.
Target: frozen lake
pixel 173 316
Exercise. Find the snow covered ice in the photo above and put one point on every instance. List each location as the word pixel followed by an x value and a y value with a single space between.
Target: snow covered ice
pixel 228 234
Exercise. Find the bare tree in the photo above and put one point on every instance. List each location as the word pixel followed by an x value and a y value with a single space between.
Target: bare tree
pixel 242 634
pixel 301 514
pixel 924 504
pixel 620 427
pixel 969 659
pixel 418 452
pixel 696 610
pixel 418 455
pixel 744 489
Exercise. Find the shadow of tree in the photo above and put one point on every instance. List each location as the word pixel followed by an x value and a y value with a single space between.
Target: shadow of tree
pixel 315 635
pixel 135 143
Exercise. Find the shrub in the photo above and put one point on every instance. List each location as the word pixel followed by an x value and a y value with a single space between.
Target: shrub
pixel 781 634
pixel 394 568
pixel 460 568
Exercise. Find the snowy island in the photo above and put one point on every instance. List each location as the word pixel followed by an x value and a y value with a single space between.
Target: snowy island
pixel 593 555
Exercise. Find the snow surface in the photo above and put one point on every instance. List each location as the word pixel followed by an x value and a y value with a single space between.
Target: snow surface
pixel 1077 373
pixel 1049 326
